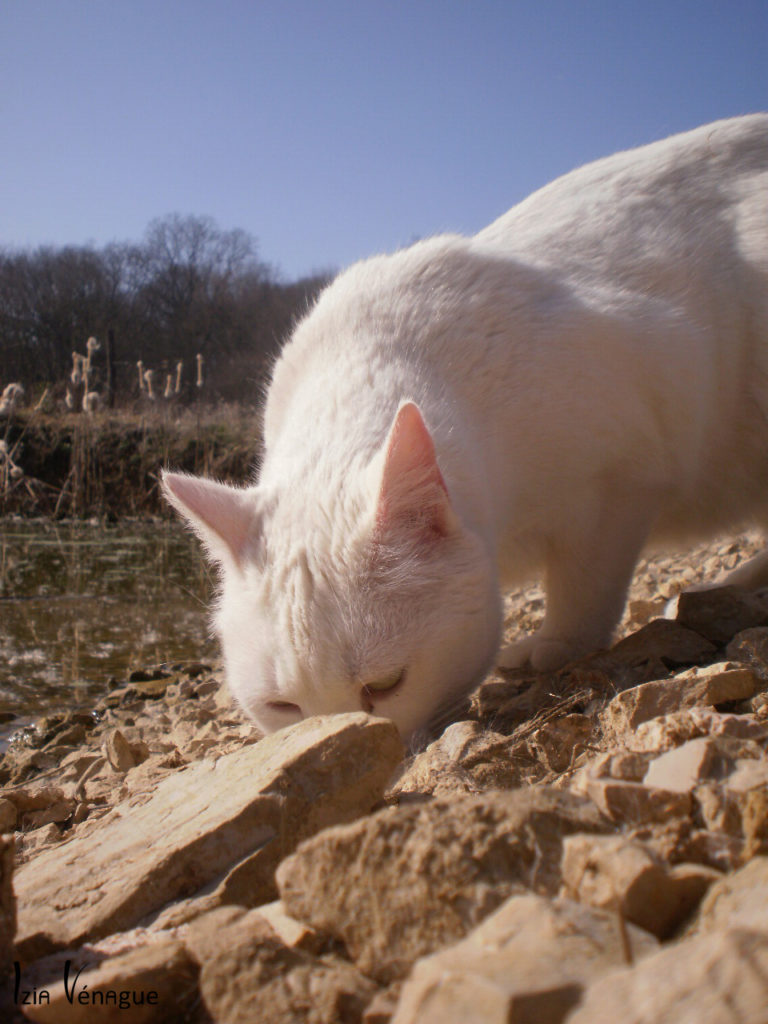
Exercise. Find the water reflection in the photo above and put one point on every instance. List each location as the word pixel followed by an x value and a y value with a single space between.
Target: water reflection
pixel 81 603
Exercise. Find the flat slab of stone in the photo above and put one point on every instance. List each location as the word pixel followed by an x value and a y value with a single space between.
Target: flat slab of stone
pixel 250 807
pixel 663 641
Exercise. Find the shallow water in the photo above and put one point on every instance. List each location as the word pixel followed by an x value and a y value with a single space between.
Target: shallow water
pixel 81 604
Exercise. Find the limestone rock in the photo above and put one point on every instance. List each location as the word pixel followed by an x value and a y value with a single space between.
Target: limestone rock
pixel 754 822
pixel 382 1007
pixel 720 613
pixel 67 737
pixel 616 873
pixel 717 850
pixel 225 824
pixel 716 684
pixel 528 961
pixel 749 772
pixel 8 815
pixel 250 976
pixel 750 647
pixel 668 731
pixel 30 843
pixel 410 879
pixel 204 935
pixel 684 767
pixel 58 812
pixel 692 881
pixel 155 982
pixel 38 797
pixel 663 641
pixel 292 933
pixel 739 899
pixel 719 978
pixel 728 779
pixel 634 803
pixel 623 765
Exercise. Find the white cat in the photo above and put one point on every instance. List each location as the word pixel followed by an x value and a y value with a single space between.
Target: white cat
pixel 587 373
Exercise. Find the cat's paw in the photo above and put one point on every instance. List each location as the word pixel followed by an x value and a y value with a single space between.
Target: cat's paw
pixel 517 654
pixel 543 654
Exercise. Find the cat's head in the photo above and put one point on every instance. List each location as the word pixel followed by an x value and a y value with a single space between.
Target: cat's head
pixel 379 600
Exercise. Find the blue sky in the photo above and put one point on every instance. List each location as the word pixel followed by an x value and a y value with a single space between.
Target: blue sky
pixel 331 129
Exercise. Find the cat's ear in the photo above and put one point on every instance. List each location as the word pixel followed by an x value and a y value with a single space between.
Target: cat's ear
pixel 412 493
pixel 223 517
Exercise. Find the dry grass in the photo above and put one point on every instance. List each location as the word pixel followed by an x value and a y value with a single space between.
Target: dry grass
pixel 107 463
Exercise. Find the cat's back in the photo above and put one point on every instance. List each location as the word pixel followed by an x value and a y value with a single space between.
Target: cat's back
pixel 658 236
pixel 698 194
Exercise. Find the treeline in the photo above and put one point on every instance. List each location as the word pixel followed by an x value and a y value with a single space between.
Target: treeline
pixel 187 288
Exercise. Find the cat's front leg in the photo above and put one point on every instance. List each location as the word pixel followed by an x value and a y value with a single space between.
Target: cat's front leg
pixel 589 567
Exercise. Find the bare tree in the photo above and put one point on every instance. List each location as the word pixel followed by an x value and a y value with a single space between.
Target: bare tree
pixel 187 287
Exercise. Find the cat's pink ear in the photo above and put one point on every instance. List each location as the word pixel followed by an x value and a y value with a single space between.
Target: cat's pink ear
pixel 412 494
pixel 223 517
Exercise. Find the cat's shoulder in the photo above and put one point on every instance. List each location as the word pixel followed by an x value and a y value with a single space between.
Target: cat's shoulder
pixel 376 290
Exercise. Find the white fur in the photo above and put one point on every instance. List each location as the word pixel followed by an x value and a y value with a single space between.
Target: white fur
pixel 587 373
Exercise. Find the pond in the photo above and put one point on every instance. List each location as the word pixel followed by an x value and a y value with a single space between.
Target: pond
pixel 81 604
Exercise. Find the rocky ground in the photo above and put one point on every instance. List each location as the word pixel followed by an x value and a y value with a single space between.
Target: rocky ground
pixel 586 846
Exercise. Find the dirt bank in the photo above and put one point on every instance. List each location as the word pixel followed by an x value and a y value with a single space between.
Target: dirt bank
pixel 107 464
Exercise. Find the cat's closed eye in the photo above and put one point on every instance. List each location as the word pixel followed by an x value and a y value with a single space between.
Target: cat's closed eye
pixel 385 684
pixel 284 706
